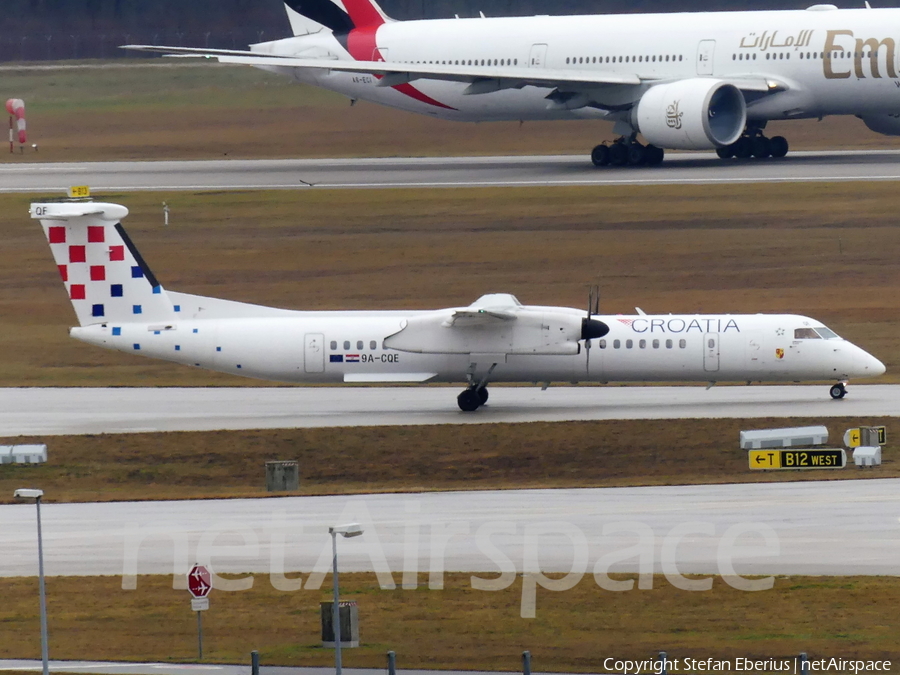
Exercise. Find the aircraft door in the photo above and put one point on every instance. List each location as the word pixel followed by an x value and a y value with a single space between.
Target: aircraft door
pixel 538 58
pixel 314 353
pixel 711 352
pixel 706 52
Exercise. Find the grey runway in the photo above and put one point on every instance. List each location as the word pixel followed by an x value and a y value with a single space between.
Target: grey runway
pixel 50 411
pixel 305 174
pixel 817 527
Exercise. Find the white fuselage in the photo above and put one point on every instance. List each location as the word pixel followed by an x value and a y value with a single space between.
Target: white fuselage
pixel 831 62
pixel 347 347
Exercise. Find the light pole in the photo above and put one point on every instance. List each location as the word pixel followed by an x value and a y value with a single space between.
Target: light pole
pixel 36 495
pixel 349 530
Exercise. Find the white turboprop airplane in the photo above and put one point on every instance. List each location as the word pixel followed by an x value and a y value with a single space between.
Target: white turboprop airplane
pixel 120 305
pixel 691 81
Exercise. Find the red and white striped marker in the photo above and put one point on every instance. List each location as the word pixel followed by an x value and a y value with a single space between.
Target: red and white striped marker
pixel 16 108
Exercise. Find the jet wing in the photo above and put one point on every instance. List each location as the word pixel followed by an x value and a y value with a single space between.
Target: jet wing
pixel 482 79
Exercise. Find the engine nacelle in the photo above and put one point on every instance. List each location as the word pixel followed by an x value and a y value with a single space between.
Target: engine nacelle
pixel 696 114
pixel 889 125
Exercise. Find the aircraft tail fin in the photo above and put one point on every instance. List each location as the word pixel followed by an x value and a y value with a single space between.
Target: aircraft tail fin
pixel 105 275
pixel 338 16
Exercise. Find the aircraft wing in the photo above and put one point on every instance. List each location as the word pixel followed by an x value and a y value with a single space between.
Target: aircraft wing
pixel 482 79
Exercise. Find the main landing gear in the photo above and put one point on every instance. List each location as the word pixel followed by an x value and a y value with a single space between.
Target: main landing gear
pixel 476 394
pixel 838 391
pixel 754 144
pixel 472 399
pixel 627 152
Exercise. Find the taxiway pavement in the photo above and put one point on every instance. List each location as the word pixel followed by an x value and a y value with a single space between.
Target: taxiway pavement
pixel 817 527
pixel 62 411
pixel 527 171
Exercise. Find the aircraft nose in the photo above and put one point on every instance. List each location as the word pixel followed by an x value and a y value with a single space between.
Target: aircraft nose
pixel 869 366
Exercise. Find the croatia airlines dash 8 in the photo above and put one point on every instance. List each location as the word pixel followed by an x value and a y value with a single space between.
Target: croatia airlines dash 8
pixel 121 305
pixel 689 81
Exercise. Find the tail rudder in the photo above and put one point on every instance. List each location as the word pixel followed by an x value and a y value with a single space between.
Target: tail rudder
pixel 106 278
pixel 338 16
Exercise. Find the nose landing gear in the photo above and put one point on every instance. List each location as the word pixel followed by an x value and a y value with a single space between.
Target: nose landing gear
pixel 838 391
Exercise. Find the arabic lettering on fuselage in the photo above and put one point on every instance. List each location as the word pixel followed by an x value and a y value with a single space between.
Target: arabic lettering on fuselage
pixel 843 55
pixel 685 325
pixel 765 41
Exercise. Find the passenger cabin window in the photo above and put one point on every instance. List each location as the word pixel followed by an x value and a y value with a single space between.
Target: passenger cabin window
pixel 656 344
pixel 373 345
pixel 333 345
pixel 617 344
pixel 806 334
pixel 682 343
pixel 346 344
pixel 602 344
pixel 711 343
pixel 629 344
pixel 359 344
pixel 642 344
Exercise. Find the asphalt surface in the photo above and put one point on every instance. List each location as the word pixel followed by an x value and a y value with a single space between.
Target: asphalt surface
pixel 819 528
pixel 686 168
pixel 48 411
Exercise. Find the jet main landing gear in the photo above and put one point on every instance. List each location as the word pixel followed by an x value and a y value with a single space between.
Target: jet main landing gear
pixel 753 143
pixel 625 152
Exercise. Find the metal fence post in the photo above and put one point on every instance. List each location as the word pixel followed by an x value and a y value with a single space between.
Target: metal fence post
pixel 254 662
pixel 526 663
pixel 392 663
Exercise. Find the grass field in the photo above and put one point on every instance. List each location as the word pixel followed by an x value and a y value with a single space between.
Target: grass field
pixel 177 110
pixel 458 627
pixel 126 467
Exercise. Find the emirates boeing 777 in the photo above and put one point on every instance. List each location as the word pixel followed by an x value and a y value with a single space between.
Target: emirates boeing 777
pixel 121 305
pixel 689 81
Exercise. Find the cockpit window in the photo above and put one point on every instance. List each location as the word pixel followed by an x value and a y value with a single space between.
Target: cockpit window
pixel 806 334
pixel 826 333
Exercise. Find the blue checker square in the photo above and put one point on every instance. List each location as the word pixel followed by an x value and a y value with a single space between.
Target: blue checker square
pixel 117 330
pixel 97 310
pixel 157 332
pixel 177 348
pixel 177 308
pixel 137 347
pixel 218 349
pixel 196 330
pixel 136 272
pixel 157 290
pixel 137 309
pixel 116 291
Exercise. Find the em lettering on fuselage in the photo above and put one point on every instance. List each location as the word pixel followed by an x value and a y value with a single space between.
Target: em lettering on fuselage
pixel 837 42
pixel 683 326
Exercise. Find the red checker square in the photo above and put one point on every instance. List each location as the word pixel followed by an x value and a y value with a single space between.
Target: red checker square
pixel 77 292
pixel 77 254
pixel 64 272
pixel 57 235
pixel 116 253
pixel 96 234
pixel 98 273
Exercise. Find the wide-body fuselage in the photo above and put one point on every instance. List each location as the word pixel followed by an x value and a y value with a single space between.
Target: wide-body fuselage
pixel 834 62
pixel 332 347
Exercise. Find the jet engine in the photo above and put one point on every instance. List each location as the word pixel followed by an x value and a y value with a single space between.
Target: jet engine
pixel 889 125
pixel 695 114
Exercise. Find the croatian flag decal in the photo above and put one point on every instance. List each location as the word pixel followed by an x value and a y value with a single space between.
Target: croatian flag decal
pixel 352 358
